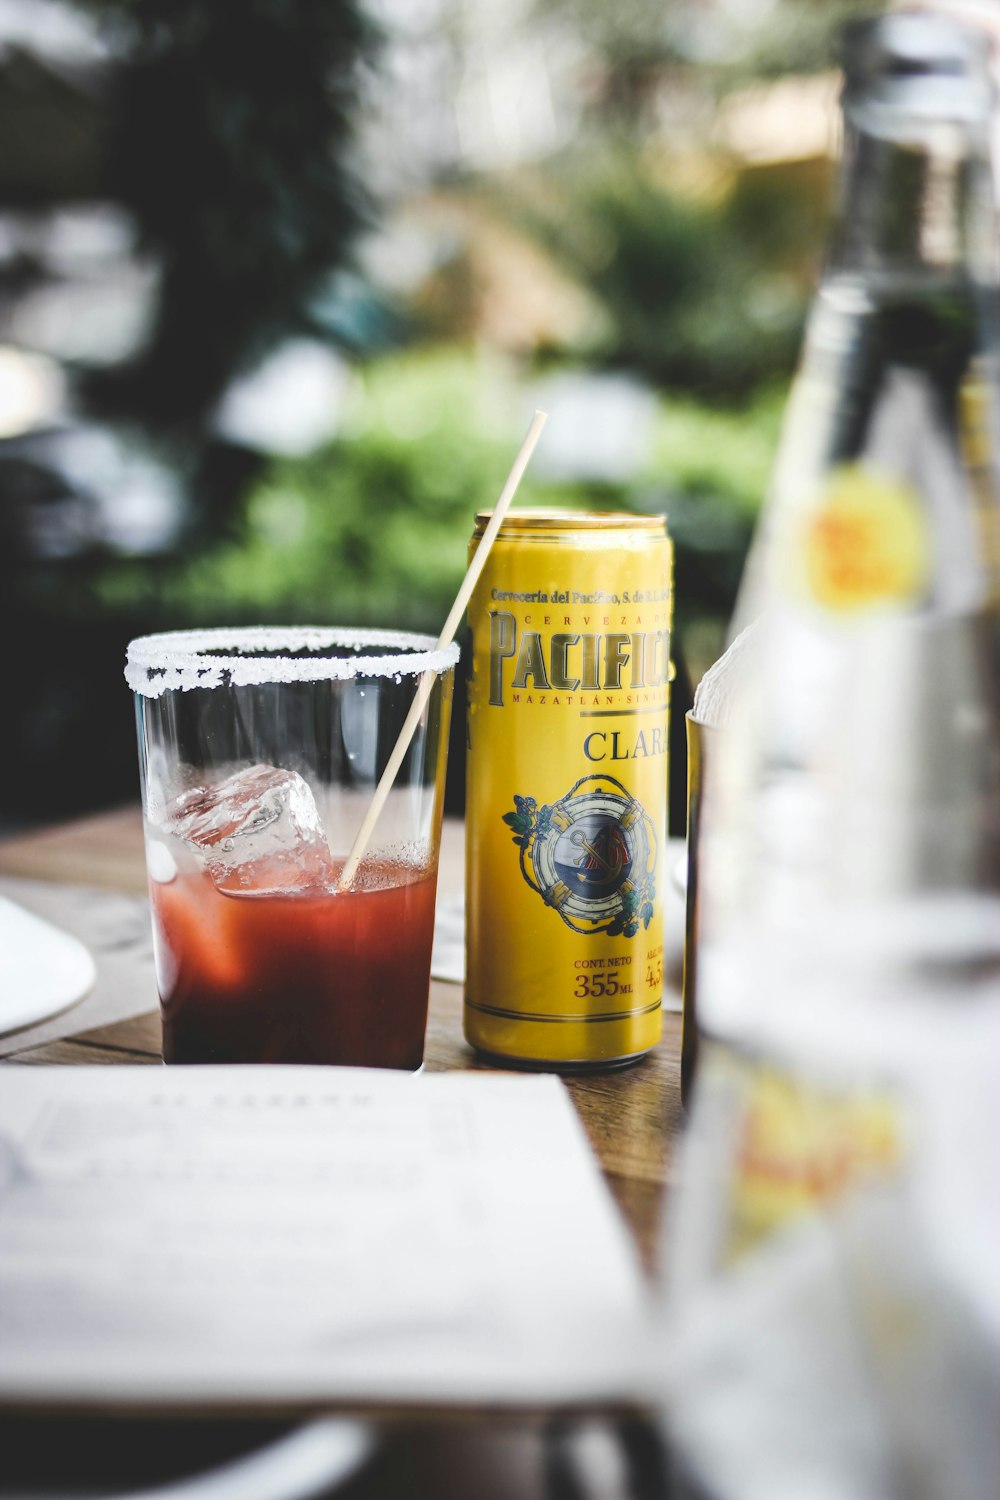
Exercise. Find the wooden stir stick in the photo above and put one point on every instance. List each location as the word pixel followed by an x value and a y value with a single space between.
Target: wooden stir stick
pixel 446 637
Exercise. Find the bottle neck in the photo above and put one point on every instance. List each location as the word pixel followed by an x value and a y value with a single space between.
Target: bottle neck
pixel 920 207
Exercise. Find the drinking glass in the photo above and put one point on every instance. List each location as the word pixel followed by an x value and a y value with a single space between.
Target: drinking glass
pixel 259 753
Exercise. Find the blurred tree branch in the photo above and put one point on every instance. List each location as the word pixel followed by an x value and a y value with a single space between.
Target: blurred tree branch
pixel 230 144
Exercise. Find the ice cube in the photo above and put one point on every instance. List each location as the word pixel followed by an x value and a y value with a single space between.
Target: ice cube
pixel 258 830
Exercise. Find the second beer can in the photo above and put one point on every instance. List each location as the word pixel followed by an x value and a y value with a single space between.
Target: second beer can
pixel 566 794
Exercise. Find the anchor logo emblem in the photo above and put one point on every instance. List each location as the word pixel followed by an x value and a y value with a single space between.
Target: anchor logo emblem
pixel 591 856
pixel 599 865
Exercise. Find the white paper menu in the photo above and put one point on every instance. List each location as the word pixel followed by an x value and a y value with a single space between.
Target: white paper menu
pixel 218 1235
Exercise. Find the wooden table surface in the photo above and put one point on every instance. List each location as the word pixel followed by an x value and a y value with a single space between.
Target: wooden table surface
pixel 630 1115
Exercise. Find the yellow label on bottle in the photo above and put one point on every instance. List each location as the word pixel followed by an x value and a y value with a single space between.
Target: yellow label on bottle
pixel 865 544
pixel 800 1147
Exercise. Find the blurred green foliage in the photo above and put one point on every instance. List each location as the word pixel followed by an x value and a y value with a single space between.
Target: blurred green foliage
pixel 374 528
pixel 229 143
pixel 639 42
pixel 799 36
pixel 699 292
pixel 719 453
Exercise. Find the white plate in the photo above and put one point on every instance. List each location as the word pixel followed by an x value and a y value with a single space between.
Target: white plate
pixel 42 970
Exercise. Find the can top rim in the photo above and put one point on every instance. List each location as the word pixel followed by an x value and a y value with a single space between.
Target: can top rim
pixel 551 519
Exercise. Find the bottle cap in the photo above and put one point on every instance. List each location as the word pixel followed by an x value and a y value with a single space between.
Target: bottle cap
pixel 923 65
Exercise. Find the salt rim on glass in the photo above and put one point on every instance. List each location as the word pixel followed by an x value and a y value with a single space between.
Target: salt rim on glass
pixel 182 659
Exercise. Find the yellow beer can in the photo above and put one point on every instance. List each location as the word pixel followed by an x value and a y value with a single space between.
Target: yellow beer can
pixel 566 788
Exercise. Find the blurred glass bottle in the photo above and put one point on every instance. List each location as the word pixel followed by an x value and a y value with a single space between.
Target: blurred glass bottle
pixel 862 758
pixel 833 1292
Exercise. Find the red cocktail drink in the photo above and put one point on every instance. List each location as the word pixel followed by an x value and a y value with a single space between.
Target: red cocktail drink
pixel 277 976
pixel 260 751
